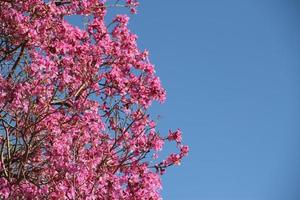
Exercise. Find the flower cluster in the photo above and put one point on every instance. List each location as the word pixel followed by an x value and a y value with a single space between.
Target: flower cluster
pixel 73 105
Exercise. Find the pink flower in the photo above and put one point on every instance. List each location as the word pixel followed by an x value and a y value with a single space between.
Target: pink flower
pixel 80 98
pixel 175 136
pixel 174 159
pixel 157 143
pixel 184 150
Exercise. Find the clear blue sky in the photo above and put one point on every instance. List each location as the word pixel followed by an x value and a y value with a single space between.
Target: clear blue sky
pixel 232 73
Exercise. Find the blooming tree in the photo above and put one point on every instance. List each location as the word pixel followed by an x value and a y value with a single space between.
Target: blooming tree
pixel 73 105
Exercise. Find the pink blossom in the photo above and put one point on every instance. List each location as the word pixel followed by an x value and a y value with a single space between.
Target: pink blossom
pixel 74 105
pixel 176 136
pixel 184 150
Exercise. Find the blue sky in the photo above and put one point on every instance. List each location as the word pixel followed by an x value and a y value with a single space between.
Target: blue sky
pixel 232 73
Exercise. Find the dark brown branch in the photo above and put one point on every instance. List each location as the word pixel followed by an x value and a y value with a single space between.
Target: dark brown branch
pixel 62 102
pixel 61 3
pixel 16 63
